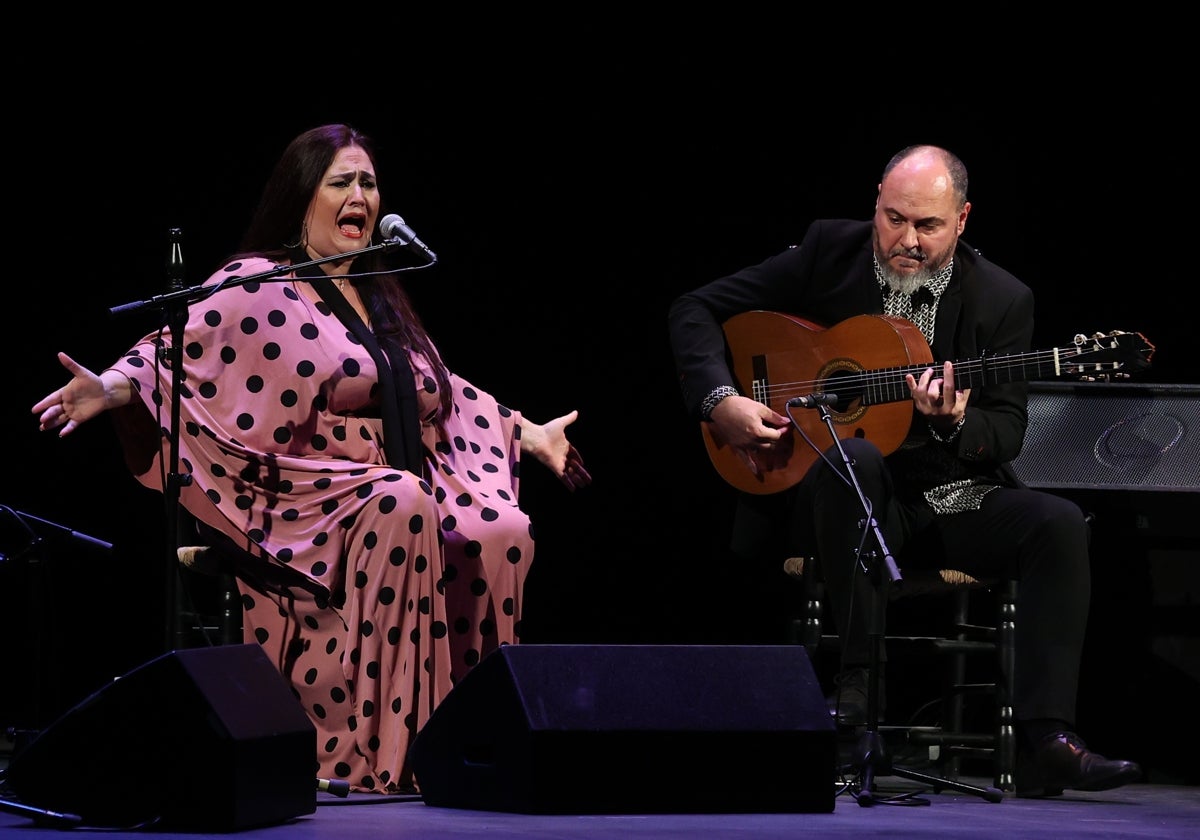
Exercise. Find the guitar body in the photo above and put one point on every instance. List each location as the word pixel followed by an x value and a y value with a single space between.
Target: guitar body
pixel 776 356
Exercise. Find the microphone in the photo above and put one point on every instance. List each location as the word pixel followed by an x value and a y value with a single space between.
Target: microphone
pixel 813 400
pixel 175 272
pixel 394 228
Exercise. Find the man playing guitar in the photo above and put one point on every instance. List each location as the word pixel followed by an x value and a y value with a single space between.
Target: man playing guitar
pixel 875 312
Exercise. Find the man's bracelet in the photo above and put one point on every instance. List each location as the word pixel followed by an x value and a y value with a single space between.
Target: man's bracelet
pixel 715 396
pixel 949 438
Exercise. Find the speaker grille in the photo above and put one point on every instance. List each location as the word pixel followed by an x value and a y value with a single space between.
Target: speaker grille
pixel 1116 436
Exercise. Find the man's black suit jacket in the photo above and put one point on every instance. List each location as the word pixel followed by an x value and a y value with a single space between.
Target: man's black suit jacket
pixel 830 277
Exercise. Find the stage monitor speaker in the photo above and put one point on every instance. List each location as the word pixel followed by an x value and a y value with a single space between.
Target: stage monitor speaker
pixel 206 739
pixel 632 729
pixel 1112 436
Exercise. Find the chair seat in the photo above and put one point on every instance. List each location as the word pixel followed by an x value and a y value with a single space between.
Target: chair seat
pixel 914 581
pixel 200 559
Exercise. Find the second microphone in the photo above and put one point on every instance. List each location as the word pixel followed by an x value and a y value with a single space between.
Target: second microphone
pixel 394 228
pixel 813 400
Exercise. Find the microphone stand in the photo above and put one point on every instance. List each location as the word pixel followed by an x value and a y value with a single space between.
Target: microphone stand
pixel 202 291
pixel 870 754
pixel 175 305
pixel 177 317
pixel 36 567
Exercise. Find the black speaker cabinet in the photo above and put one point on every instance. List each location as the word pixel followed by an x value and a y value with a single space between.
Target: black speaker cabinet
pixel 206 739
pixel 1118 436
pixel 632 729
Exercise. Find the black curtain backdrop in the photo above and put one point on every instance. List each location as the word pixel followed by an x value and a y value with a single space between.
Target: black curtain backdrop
pixel 568 203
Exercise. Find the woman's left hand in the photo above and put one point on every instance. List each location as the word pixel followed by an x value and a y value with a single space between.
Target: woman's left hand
pixel 548 443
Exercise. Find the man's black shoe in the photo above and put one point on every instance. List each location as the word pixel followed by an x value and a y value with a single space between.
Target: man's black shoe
pixel 1062 761
pixel 849 700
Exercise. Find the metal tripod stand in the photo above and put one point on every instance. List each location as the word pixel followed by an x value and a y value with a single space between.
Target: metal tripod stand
pixel 870 757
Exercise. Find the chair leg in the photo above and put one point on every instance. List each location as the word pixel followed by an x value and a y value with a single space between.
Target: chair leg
pixel 1006 738
pixel 231 611
pixel 956 702
pixel 1001 745
pixel 810 634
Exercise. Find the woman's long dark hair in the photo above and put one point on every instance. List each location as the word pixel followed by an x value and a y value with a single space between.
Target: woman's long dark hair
pixel 276 232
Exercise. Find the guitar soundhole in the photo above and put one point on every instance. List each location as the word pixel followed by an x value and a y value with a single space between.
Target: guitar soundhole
pixel 843 377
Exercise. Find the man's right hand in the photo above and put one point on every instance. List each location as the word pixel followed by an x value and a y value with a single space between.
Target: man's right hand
pixel 753 429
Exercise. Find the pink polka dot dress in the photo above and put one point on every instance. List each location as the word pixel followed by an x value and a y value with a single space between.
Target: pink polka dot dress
pixel 375 589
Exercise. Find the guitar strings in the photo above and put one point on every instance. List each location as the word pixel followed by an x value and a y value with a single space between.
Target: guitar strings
pixel 888 385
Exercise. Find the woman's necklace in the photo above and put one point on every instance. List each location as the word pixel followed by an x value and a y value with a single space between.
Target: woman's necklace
pixel 341 283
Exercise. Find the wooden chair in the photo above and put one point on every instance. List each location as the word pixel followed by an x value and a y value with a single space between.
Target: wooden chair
pixel 954 735
pixel 209 604
pixel 214 569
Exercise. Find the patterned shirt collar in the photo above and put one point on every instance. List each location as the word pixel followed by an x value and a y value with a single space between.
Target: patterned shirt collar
pixel 921 306
pixel 936 284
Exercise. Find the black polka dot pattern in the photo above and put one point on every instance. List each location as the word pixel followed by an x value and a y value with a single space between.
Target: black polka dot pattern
pixel 399 584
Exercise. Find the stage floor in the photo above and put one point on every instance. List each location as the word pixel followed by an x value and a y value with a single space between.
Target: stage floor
pixel 1139 810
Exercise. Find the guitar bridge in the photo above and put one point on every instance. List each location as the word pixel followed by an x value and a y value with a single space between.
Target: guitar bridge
pixel 760 385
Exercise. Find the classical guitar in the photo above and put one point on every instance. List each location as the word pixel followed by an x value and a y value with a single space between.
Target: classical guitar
pixel 863 360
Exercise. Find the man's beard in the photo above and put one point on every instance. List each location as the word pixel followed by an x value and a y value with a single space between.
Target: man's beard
pixel 904 283
pixel 909 283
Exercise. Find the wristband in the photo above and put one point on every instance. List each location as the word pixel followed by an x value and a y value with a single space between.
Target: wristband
pixel 715 396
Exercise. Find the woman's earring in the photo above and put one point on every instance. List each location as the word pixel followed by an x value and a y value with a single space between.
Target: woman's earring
pixel 301 240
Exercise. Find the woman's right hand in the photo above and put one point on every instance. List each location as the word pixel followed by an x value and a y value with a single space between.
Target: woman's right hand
pixel 81 399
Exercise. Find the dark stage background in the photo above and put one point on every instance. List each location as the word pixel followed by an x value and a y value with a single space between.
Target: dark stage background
pixel 567 208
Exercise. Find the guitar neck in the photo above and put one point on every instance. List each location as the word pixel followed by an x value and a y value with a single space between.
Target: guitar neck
pixel 889 385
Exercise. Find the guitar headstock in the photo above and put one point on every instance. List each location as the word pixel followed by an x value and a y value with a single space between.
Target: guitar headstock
pixel 1104 356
